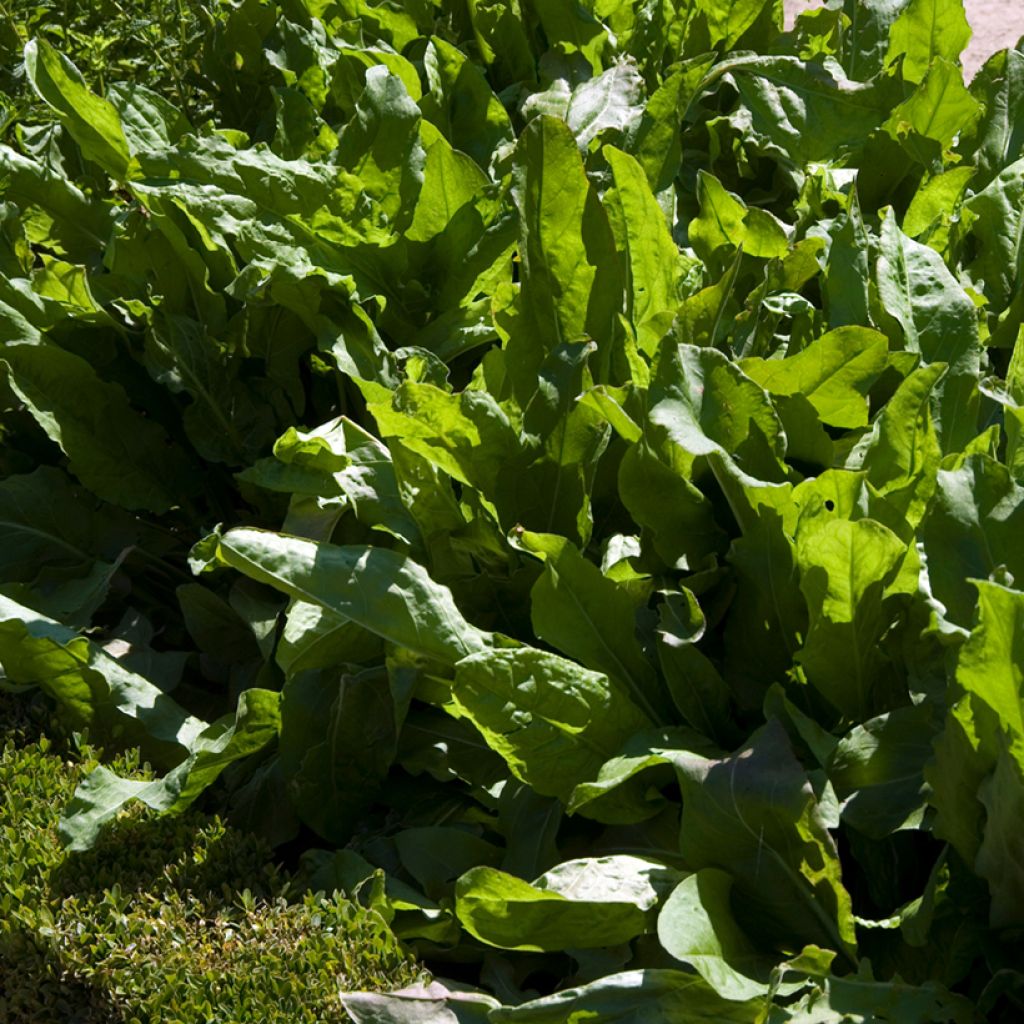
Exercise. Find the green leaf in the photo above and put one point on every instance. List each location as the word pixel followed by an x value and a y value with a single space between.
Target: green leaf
pixel 878 771
pixel 97 691
pixel 807 111
pixel 729 19
pixel 338 739
pixel 927 29
pixel 461 104
pixel 91 121
pixel 994 142
pixel 696 926
pixel 643 235
pixel 116 452
pixel 978 777
pixel 901 454
pixel 755 816
pixel 59 541
pixel 102 794
pixel 971 532
pixel 651 996
pixel 938 109
pixel 705 404
pixel 938 320
pixel 590 618
pixel 386 593
pixel 726 222
pixel 834 373
pixel 553 722
pixel 998 210
pixel 580 904
pixel 571 288
pixel 844 569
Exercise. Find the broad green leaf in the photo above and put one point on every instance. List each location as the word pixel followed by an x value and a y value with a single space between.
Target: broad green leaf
pixel 934 206
pixel 583 904
pixel 808 111
pixel 92 121
pixel 96 689
pixel 727 222
pixel 755 816
pixel 643 235
pixel 116 452
pixel 697 689
pixel 767 621
pixel 451 180
pixel 651 996
pixel 381 147
pixel 461 104
pixel 102 794
pixel 553 722
pixel 998 210
pixel 501 35
pixel 338 739
pixel 901 454
pixel 844 569
pixel 677 520
pixel 59 542
pixel 995 141
pixel 834 373
pixel 704 404
pixel 227 421
pixel 938 320
pixel 386 593
pixel 622 791
pixel 938 109
pixel 878 771
pixel 848 273
pixel 971 532
pixel 573 29
pixel 925 30
pixel 656 143
pixel 729 19
pixel 977 779
pixel 866 37
pixel 571 285
pixel 696 926
pixel 468 435
pixel 588 617
pixel 435 855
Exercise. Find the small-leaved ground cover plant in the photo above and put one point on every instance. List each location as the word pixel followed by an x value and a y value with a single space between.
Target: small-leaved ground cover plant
pixel 182 919
pixel 556 469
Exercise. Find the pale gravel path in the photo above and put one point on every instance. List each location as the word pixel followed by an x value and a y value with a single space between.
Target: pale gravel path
pixel 997 24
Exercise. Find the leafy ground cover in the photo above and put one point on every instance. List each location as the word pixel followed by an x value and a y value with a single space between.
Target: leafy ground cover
pixel 559 467
pixel 182 919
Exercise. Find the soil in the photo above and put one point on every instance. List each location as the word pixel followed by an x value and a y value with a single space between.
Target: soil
pixel 997 24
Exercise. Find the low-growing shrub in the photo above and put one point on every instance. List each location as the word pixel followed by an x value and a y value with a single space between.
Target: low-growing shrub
pixel 178 920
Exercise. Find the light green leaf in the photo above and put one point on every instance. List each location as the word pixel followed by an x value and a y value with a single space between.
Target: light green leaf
pixel 696 926
pixel 102 794
pixel 386 593
pixel 834 373
pixel 652 996
pixel 581 904
pixel 91 121
pixel 553 722
pixel 577 609
pixel 643 235
pixel 927 29
pixel 755 816
pixel 727 222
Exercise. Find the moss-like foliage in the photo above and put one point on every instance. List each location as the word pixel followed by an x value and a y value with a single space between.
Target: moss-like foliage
pixel 169 920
